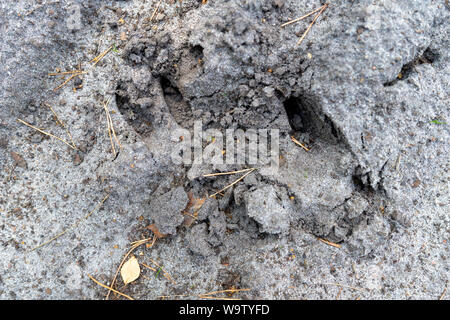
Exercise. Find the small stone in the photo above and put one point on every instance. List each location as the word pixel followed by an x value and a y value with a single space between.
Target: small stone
pixel 18 160
pixel 77 160
pixel 269 91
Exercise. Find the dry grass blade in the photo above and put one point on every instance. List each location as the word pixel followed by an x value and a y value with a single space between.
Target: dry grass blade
pixel 310 26
pixel 301 18
pixel 46 133
pixel 73 226
pixel 226 173
pixel 62 124
pixel 299 143
pixel 232 184
pixel 109 288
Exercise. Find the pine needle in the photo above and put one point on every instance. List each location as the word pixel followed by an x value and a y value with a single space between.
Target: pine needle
pixel 312 23
pixel 100 56
pixel 78 73
pixel 226 173
pixel 301 18
pixel 65 73
pixel 105 286
pixel 46 133
pixel 73 226
pixel 232 184
pixel 61 123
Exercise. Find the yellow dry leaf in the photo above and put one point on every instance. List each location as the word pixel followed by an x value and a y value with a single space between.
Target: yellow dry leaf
pixel 130 270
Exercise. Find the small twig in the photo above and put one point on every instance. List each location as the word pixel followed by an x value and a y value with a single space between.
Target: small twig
pixel 73 226
pixel 298 143
pixel 100 56
pixel 330 243
pixel 301 18
pixel 312 23
pixel 78 73
pixel 46 133
pixel 109 288
pixel 232 184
